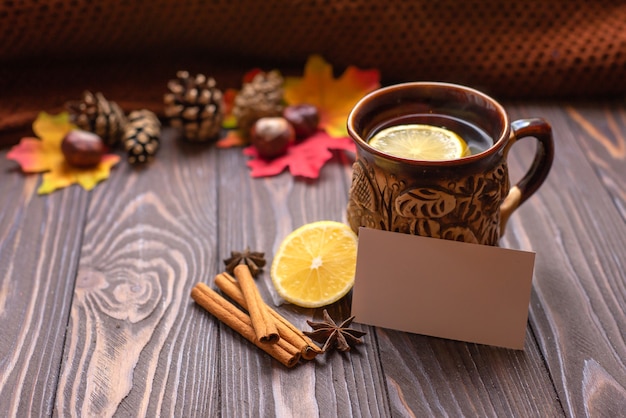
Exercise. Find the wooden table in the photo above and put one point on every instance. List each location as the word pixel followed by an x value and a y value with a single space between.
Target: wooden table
pixel 96 317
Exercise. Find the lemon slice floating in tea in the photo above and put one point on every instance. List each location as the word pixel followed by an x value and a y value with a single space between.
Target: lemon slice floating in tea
pixel 315 264
pixel 420 142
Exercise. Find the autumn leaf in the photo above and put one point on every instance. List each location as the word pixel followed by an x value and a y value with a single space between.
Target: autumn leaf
pixel 34 156
pixel 304 159
pixel 66 175
pixel 43 154
pixel 233 138
pixel 230 121
pixel 334 98
pixel 52 128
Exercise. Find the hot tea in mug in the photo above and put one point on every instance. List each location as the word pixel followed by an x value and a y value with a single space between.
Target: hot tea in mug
pixel 430 137
pixel 432 161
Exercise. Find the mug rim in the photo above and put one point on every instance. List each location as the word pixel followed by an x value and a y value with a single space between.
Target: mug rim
pixel 497 144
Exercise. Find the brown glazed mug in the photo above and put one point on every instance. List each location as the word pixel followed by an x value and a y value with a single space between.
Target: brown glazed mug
pixel 467 199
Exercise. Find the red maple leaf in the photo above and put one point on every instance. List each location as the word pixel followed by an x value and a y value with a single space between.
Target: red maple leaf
pixel 304 159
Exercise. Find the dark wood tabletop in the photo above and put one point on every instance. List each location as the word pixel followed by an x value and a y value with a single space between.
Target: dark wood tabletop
pixel 96 317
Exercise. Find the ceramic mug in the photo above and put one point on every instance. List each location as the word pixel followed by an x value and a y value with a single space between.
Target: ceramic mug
pixel 467 199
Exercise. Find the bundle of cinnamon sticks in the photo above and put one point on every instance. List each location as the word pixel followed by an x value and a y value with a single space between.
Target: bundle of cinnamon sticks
pixel 261 325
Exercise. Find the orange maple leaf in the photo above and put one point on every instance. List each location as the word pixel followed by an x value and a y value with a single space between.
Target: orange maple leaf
pixel 233 138
pixel 44 155
pixel 334 98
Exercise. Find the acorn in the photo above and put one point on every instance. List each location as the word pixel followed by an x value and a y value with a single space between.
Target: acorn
pixel 305 119
pixel 82 149
pixel 271 136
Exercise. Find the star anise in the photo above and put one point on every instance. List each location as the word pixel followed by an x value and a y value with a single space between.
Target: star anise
pixel 254 260
pixel 335 336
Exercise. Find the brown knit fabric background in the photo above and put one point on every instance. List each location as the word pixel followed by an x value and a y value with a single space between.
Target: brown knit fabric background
pixel 128 50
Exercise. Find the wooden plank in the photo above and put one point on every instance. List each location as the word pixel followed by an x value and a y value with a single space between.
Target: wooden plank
pixel 579 290
pixel 137 345
pixel 40 239
pixel 436 377
pixel 601 133
pixel 333 384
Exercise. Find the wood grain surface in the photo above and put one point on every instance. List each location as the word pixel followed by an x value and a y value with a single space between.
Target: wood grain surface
pixel 40 241
pixel 579 298
pixel 96 318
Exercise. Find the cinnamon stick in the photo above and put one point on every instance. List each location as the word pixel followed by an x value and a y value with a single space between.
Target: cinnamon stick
pixel 286 329
pixel 229 314
pixel 263 324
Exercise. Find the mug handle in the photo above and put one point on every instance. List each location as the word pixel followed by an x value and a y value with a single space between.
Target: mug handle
pixel 538 171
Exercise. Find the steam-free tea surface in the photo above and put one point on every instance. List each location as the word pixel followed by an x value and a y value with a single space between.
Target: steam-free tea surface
pixel 405 136
pixel 420 142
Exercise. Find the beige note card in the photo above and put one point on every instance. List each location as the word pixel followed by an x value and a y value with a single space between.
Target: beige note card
pixel 442 288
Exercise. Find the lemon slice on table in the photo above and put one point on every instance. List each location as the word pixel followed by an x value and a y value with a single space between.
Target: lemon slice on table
pixel 315 264
pixel 420 142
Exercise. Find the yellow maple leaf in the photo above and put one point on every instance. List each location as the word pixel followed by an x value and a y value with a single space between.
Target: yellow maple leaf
pixel 44 155
pixel 66 175
pixel 334 98
pixel 52 128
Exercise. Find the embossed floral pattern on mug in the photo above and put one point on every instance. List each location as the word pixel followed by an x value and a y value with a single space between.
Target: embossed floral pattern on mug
pixel 465 210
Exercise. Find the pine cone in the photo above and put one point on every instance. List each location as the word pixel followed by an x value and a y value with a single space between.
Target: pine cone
pixel 262 97
pixel 196 105
pixel 141 136
pixel 96 114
